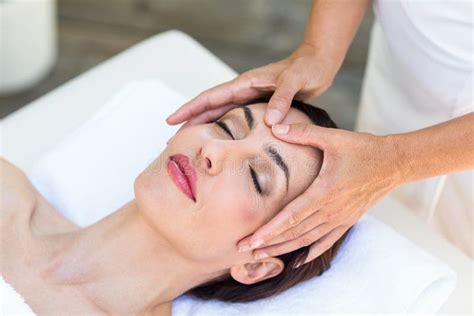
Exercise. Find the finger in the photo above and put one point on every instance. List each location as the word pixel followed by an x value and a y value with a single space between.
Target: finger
pixel 211 115
pixel 208 116
pixel 244 244
pixel 291 215
pixel 280 101
pixel 305 134
pixel 292 245
pixel 324 243
pixel 311 222
pixel 209 99
pixel 241 90
pixel 187 124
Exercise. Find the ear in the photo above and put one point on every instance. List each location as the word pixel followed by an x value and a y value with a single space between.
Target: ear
pixel 253 272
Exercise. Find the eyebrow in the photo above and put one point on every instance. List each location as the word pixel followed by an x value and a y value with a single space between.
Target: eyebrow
pixel 276 157
pixel 248 116
pixel 269 150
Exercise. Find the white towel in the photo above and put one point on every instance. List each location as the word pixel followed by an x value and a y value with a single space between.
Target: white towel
pixel 91 173
pixel 104 156
pixel 376 270
pixel 11 302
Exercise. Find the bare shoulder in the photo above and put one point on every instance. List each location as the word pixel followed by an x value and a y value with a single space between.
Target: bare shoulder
pixel 17 192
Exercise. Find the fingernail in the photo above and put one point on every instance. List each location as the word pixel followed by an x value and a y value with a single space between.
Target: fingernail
pixel 273 116
pixel 261 255
pixel 256 243
pixel 244 248
pixel 280 129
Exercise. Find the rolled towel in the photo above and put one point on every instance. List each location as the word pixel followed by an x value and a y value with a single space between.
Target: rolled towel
pixel 91 173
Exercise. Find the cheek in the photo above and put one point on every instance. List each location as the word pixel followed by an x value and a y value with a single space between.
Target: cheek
pixel 239 215
pixel 234 216
pixel 225 218
pixel 249 216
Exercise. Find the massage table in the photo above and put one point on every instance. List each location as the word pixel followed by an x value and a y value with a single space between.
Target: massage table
pixel 189 68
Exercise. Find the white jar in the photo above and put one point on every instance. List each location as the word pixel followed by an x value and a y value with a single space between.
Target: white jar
pixel 28 43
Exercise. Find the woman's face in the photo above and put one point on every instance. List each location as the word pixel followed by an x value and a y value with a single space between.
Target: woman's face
pixel 242 181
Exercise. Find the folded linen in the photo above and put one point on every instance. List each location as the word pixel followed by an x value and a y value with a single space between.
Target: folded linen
pixel 91 173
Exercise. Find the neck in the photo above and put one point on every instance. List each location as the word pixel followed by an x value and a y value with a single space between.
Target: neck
pixel 122 265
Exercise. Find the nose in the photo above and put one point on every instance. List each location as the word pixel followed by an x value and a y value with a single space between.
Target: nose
pixel 216 155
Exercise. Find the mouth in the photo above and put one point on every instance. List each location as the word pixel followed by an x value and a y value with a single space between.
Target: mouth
pixel 183 174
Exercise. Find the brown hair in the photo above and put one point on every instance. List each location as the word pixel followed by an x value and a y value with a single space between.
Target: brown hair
pixel 230 290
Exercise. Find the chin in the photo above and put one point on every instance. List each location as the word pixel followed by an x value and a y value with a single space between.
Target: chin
pixel 157 196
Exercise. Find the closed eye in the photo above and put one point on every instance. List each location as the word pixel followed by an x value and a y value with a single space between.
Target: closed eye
pixel 225 128
pixel 253 174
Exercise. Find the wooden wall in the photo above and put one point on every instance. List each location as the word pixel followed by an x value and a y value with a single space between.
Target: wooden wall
pixel 243 33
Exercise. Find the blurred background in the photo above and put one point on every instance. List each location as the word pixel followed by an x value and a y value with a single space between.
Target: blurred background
pixel 72 36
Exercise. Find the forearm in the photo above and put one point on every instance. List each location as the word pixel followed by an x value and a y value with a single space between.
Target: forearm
pixel 440 149
pixel 332 25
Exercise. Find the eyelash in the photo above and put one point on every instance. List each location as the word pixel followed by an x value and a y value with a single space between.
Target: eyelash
pixel 253 174
pixel 255 181
pixel 225 128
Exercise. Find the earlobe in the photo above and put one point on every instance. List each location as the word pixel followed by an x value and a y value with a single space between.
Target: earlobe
pixel 254 272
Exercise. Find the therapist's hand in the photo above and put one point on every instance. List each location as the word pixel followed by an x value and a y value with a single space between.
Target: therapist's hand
pixel 302 75
pixel 357 170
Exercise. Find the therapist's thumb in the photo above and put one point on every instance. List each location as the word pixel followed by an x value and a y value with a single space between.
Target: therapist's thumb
pixel 304 134
pixel 280 102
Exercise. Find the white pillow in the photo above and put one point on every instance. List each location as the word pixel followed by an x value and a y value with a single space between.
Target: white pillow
pixel 91 173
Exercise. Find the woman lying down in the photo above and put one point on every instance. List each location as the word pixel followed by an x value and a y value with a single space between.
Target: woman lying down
pixel 213 185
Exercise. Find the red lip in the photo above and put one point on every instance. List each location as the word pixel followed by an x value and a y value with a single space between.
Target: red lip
pixel 183 173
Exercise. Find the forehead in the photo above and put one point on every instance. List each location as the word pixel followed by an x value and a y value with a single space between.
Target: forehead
pixel 303 161
pixel 293 116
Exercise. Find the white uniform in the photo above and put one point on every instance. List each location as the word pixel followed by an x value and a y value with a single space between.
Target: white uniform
pixel 420 73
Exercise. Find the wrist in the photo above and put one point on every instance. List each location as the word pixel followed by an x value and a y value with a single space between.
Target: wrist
pixel 398 164
pixel 331 58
